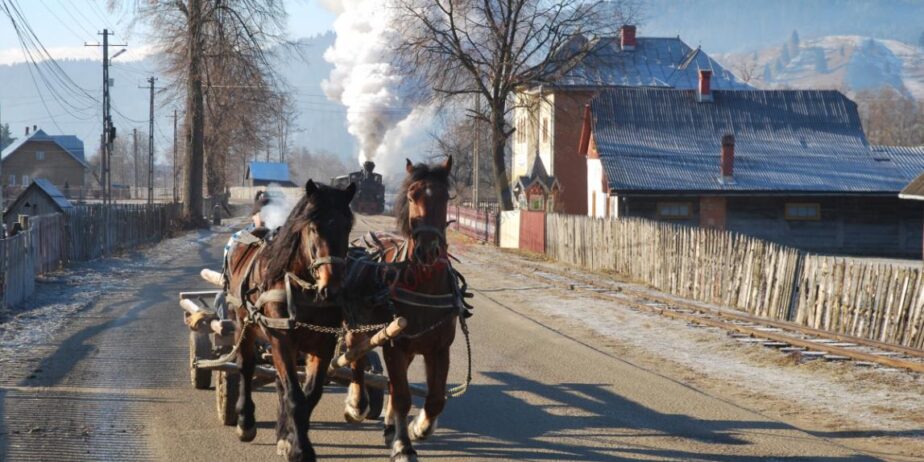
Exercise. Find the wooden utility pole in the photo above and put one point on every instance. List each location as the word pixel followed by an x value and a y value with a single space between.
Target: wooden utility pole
pixel 176 196
pixel 195 113
pixel 151 81
pixel 476 151
pixel 135 158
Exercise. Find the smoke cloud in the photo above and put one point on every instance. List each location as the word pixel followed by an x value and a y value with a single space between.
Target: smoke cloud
pixel 275 213
pixel 376 96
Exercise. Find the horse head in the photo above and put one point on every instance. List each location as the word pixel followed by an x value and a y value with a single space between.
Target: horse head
pixel 422 205
pixel 313 242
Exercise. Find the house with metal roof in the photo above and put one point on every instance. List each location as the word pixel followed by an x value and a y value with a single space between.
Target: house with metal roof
pixel 39 198
pixel 790 166
pixel 59 159
pixel 266 173
pixel 547 114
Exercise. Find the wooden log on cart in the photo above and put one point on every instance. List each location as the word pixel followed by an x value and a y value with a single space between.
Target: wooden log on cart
pixel 193 310
pixel 213 277
pixel 342 375
pixel 358 351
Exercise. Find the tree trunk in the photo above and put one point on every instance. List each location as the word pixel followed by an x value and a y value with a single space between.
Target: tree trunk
pixel 192 191
pixel 498 145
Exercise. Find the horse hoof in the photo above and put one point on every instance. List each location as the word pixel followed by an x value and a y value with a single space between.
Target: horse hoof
pixel 354 415
pixel 282 448
pixel 406 455
pixel 414 431
pixel 389 435
pixel 246 434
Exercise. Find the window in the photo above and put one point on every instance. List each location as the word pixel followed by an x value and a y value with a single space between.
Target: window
pixel 803 211
pixel 39 155
pixel 25 180
pixel 545 130
pixel 12 180
pixel 674 210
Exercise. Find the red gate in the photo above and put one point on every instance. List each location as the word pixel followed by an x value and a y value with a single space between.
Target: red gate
pixel 476 224
pixel 532 231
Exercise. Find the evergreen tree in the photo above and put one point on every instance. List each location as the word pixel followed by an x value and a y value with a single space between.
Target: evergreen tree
pixel 785 56
pixel 821 62
pixel 6 137
pixel 768 74
pixel 921 41
pixel 794 43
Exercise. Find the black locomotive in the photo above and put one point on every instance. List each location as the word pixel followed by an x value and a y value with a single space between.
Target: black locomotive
pixel 370 193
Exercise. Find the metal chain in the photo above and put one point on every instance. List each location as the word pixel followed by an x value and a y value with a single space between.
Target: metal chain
pixel 339 330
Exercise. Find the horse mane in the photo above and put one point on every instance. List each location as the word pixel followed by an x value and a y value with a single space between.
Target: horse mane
pixel 318 209
pixel 419 172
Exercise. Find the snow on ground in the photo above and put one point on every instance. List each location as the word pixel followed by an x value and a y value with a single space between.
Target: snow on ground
pixel 831 397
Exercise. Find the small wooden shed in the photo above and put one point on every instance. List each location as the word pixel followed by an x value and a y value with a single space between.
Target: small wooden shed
pixel 40 198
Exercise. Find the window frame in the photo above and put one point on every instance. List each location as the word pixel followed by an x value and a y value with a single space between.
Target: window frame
pixel 802 205
pixel 39 155
pixel 670 204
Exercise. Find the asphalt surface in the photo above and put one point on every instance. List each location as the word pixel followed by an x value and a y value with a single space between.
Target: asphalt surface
pixel 113 385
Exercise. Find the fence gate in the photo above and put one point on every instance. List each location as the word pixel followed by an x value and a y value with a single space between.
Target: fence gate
pixel 532 231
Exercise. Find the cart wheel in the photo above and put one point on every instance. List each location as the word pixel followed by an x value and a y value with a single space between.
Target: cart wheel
pixel 226 391
pixel 376 396
pixel 200 347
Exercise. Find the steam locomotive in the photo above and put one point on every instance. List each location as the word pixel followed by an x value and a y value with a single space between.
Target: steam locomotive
pixel 370 193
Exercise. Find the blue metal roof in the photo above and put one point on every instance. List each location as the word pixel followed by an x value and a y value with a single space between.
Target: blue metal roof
pixel 53 193
pixel 269 171
pixel 69 143
pixel 655 62
pixel 657 140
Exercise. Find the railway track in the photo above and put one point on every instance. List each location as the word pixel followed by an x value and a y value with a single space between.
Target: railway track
pixel 804 343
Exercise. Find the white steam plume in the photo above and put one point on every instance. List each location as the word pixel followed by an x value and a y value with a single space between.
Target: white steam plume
pixel 363 79
pixel 275 213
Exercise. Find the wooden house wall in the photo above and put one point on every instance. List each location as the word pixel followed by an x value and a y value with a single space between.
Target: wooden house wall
pixel 874 226
pixel 39 204
pixel 57 166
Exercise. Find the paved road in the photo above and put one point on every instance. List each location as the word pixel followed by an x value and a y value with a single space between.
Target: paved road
pixel 113 386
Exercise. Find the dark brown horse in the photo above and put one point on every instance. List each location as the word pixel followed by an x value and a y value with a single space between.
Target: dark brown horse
pixel 292 285
pixel 421 288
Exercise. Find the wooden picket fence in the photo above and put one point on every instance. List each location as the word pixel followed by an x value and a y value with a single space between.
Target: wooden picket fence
pixel 129 225
pixel 881 301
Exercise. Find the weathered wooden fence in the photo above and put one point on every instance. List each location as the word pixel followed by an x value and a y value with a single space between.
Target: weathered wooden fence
pixel 52 240
pixel 127 226
pixel 863 298
pixel 476 224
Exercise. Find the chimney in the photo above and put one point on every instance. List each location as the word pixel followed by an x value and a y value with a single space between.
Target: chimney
pixel 728 158
pixel 34 128
pixel 627 37
pixel 27 130
pixel 704 91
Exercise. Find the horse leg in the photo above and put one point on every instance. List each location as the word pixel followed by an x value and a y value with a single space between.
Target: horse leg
pixel 246 423
pixel 397 361
pixel 437 365
pixel 282 428
pixel 295 405
pixel 357 401
pixel 316 370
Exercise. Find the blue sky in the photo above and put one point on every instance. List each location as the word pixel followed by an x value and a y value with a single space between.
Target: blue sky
pixel 64 25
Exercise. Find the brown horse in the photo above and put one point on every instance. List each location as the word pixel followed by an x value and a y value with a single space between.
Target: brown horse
pixel 424 292
pixel 291 287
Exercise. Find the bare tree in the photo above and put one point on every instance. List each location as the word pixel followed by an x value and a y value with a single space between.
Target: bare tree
pixel 458 48
pixel 216 53
pixel 746 68
pixel 890 118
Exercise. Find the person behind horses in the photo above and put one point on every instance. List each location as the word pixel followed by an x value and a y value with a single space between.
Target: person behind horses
pixel 259 201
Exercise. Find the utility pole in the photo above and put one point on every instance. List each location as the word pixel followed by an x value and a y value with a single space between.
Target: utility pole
pixel 2 208
pixel 109 131
pixel 151 81
pixel 176 195
pixel 476 151
pixel 135 158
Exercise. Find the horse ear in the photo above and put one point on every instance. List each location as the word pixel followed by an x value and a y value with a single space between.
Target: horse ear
pixel 448 164
pixel 310 188
pixel 409 167
pixel 351 190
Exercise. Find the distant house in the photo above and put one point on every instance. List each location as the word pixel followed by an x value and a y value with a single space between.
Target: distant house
pixel 39 198
pixel 58 159
pixel 790 166
pixel 266 173
pixel 547 115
